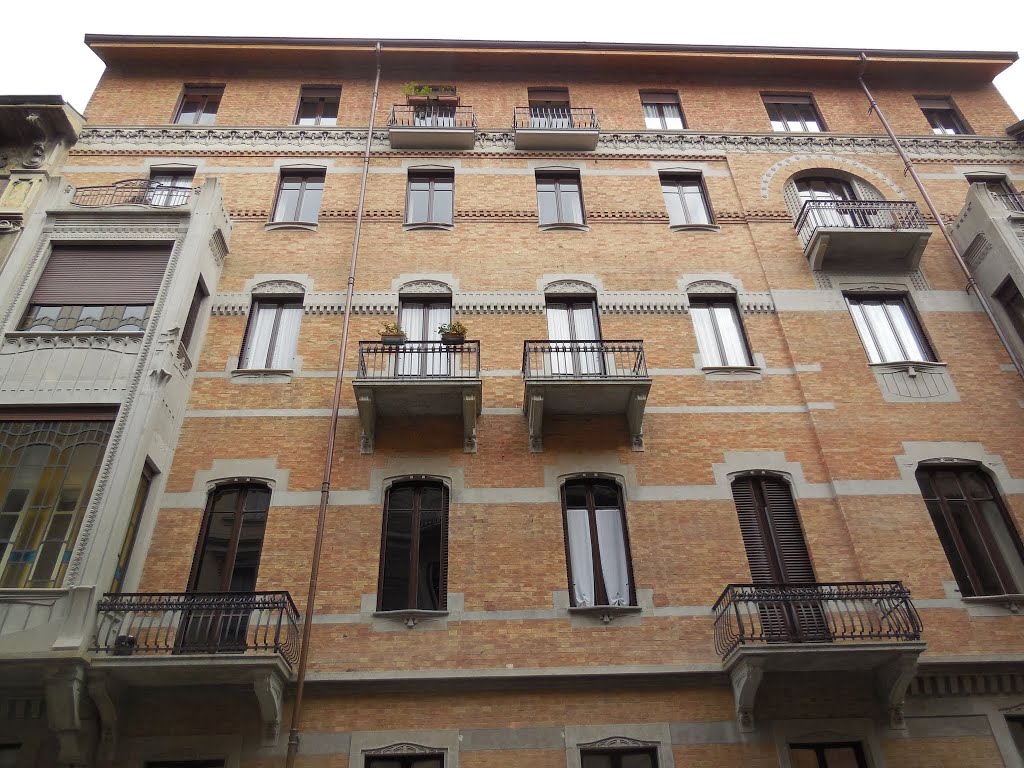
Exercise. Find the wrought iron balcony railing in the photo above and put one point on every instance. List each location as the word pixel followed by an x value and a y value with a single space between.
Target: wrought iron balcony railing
pixel 857 214
pixel 418 360
pixel 814 613
pixel 132 192
pixel 431 116
pixel 198 622
pixel 584 359
pixel 556 118
pixel 1014 202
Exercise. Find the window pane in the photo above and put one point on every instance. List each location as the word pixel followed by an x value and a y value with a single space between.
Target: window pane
pixel 547 203
pixel 428 579
pixel 400 498
pixel 908 335
pixel 841 757
pixel 310 210
pixel 707 341
pixel 730 334
pixel 883 333
pixel 642 760
pixel 288 199
pixel 673 203
pixel 1005 539
pixel 673 117
pixel 308 109
pixel 575 495
pixel 419 202
pixel 260 332
pixel 696 208
pixel 571 204
pixel 209 110
pixel 432 497
pixel 652 117
pixel 611 539
pixel 803 758
pixel 591 760
pixel 397 550
pixel 444 200
pixel 581 563
pixel 287 338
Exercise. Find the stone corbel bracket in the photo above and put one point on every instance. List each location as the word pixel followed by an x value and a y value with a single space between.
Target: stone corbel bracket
pixel 65 701
pixel 269 689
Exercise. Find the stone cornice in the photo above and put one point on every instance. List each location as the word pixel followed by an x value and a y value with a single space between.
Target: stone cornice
pixel 311 141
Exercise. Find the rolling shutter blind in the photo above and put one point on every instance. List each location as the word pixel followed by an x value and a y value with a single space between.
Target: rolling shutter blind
pixel 659 97
pixel 102 275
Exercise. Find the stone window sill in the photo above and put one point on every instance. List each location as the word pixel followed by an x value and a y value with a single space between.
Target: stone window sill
pixel 564 226
pixel 1013 603
pixel 605 613
pixel 309 226
pixel 695 228
pixel 411 616
pixel 415 225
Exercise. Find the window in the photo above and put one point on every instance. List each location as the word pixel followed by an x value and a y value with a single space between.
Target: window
pixel 273 333
pixel 575 333
pixel 549 108
pixel 405 761
pixel 662 111
pixel 793 113
pixel 169 188
pixel 942 116
pixel 977 534
pixel 298 196
pixel 230 543
pixel 318 105
pixel 98 288
pixel 138 505
pixel 1012 302
pixel 618 758
pixel 686 199
pixel 889 329
pixel 836 755
pixel 420 319
pixel 414 550
pixel 560 198
pixel 47 472
pixel 192 319
pixel 199 105
pixel 1001 189
pixel 720 335
pixel 597 544
pixel 431 197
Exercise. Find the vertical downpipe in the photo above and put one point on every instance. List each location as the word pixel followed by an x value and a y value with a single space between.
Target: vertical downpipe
pixel 325 488
pixel 971 283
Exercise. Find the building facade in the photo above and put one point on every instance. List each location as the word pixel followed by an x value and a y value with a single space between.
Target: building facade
pixel 684 444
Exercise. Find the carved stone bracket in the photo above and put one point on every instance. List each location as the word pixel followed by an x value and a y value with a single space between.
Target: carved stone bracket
pixel 269 689
pixel 367 421
pixel 104 693
pixel 746 677
pixel 470 408
pixel 892 682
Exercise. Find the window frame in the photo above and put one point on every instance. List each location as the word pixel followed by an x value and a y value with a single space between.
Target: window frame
pixel 139 504
pixel 166 192
pixel 710 301
pixel 913 321
pixel 1006 294
pixel 558 178
pixel 418 485
pixel 670 178
pixel 617 753
pixel 644 103
pixel 859 752
pixel 305 176
pixel 203 93
pixel 934 114
pixel 405 761
pixel 321 94
pixel 244 488
pixel 188 329
pixel 281 302
pixel 600 588
pixel 988 538
pixel 794 99
pixel 432 177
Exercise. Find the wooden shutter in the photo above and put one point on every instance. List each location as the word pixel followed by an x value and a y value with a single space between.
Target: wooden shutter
pixel 792 198
pixel 443 587
pixel 102 275
pixel 786 531
pixel 761 571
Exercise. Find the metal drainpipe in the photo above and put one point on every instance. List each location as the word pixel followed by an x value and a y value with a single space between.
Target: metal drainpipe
pixel 971 283
pixel 325 488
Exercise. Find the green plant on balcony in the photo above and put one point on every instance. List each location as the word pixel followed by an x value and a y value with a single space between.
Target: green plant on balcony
pixel 392 333
pixel 452 333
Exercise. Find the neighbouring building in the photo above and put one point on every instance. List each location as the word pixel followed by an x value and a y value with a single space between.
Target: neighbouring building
pixel 725 470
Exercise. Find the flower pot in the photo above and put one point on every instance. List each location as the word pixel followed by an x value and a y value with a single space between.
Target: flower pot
pixel 451 339
pixel 392 339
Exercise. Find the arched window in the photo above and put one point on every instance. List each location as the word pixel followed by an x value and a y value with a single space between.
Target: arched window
pixel 272 334
pixel 414 548
pixel 597 544
pixel 227 556
pixel 979 538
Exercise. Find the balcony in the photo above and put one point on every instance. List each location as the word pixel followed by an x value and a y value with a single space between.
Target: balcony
pixel 558 129
pixel 418 379
pixel 432 126
pixel 585 378
pixel 155 640
pixel 1014 203
pixel 133 192
pixel 773 633
pixel 869 235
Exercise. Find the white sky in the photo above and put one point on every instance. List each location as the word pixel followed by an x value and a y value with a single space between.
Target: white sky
pixel 56 61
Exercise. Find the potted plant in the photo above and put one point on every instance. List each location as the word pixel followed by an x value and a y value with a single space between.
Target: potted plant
pixel 452 333
pixel 416 93
pixel 392 334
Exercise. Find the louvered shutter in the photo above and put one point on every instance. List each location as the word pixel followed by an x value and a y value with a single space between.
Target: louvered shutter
pixel 102 275
pixel 443 587
pixel 792 198
pixel 761 571
pixel 787 535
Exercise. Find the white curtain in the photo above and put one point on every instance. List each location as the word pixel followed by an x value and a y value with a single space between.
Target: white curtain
pixel 580 556
pixel 287 338
pixel 885 336
pixel 585 330
pixel 732 338
pixel 912 347
pixel 436 355
pixel 559 359
pixel 611 541
pixel 262 329
pixel 707 343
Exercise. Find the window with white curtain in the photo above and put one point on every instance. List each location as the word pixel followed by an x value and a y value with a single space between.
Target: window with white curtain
pixel 888 329
pixel 273 333
pixel 574 334
pixel 720 336
pixel 423 354
pixel 597 544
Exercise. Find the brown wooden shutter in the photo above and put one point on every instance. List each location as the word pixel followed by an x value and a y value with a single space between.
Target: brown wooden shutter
pixel 102 275
pixel 443 601
pixel 754 542
pixel 787 533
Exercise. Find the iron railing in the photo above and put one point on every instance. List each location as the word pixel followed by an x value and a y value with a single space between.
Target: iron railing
pixel 1012 202
pixel 198 622
pixel 431 116
pixel 584 359
pixel 419 360
pixel 556 118
pixel 857 214
pixel 132 192
pixel 814 613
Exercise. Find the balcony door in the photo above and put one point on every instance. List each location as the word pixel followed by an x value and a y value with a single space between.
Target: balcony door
pixel 574 333
pixel 420 320
pixel 820 189
pixel 227 561
pixel 549 108
pixel 777 555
